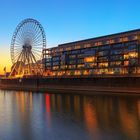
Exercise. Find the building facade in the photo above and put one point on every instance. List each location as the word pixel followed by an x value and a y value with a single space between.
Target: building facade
pixel 116 54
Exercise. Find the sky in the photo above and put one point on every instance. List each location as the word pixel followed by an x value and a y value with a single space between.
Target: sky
pixel 66 20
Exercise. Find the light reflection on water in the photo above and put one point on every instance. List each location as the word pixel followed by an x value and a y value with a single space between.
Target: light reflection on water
pixel 34 116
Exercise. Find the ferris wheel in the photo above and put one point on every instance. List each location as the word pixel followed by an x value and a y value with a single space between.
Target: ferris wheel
pixel 27 44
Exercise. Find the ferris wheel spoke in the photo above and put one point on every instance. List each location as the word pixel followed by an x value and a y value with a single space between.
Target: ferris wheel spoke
pixel 17 43
pixel 36 57
pixel 36 62
pixel 38 41
pixel 38 45
pixel 21 32
pixel 37 29
pixel 19 36
pixel 37 51
pixel 37 37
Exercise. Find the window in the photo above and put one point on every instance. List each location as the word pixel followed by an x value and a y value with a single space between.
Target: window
pixel 48 64
pixel 103 53
pixel 77 47
pixel 89 59
pixel 116 52
pixel 63 66
pixel 55 67
pixel 72 61
pixel 80 66
pixel 72 56
pixel 116 57
pixel 116 63
pixel 55 63
pixel 118 45
pixel 75 51
pixel 104 47
pixel 104 58
pixel 80 61
pixel 90 65
pixel 131 55
pixel 72 66
pixel 55 58
pixel 103 71
pixel 126 63
pixel 87 45
pixel 103 64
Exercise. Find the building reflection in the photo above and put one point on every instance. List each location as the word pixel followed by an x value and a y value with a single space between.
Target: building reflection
pixel 100 113
pixel 118 116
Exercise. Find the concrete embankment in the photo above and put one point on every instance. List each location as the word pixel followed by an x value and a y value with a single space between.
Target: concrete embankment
pixel 119 85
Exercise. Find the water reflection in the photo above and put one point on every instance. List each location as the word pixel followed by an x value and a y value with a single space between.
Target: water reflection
pixel 34 116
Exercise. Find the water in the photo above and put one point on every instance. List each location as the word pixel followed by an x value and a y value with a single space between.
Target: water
pixel 36 116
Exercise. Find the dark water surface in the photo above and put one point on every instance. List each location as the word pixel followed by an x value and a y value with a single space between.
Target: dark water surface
pixel 36 116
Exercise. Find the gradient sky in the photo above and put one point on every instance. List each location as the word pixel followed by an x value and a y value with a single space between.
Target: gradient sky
pixel 67 20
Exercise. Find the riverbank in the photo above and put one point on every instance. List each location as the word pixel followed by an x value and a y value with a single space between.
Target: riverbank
pixel 108 85
pixel 75 89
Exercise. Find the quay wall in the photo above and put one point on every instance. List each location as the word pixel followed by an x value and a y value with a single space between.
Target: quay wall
pixel 76 85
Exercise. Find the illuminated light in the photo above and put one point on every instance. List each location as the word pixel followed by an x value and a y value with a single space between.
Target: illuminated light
pixel 90 118
pixel 133 54
pixel 77 47
pixel 80 65
pixel 125 39
pixel 135 37
pixel 112 41
pixel 103 64
pixel 77 72
pixel 47 102
pixel 89 59
pixel 86 72
pixel 87 45
pixel 48 109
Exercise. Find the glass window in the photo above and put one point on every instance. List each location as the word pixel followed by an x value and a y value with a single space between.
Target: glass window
pixel 116 63
pixel 103 64
pixel 55 58
pixel 104 58
pixel 72 66
pixel 103 53
pixel 89 59
pixel 48 64
pixel 116 57
pixel 104 47
pixel 116 52
pixel 118 45
pixel 126 63
pixel 75 51
pixel 80 61
pixel 80 66
pixel 55 67
pixel 55 63
pixel 72 61
pixel 72 56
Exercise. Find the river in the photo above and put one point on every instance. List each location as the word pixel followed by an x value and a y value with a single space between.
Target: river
pixel 44 116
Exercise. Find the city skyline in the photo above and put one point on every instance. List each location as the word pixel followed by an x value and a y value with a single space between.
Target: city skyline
pixel 66 21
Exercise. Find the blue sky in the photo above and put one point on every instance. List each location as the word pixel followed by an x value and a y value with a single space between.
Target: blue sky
pixel 68 20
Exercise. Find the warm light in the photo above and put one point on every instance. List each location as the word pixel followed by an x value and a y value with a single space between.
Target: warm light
pixel 89 59
pixel 103 64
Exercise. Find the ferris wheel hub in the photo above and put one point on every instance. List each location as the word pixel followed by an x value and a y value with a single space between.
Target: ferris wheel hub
pixel 27 47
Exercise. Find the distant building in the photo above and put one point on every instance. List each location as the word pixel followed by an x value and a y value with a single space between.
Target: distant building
pixel 116 54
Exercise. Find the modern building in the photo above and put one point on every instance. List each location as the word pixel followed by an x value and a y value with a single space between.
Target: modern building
pixel 111 55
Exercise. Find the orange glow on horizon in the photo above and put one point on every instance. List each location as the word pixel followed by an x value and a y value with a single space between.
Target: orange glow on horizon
pixel 5 60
